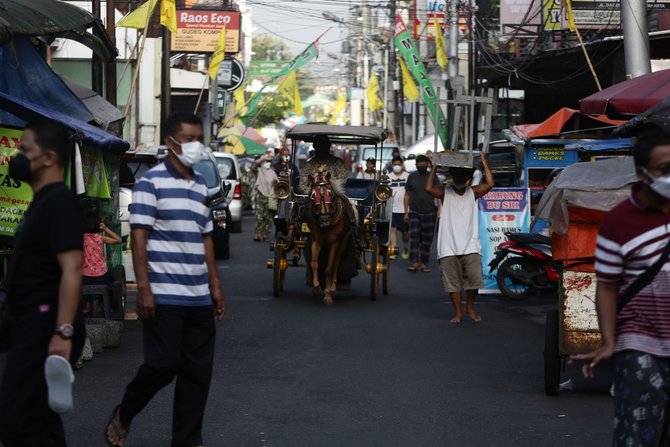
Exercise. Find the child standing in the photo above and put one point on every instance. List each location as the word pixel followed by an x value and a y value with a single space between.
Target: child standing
pixel 94 266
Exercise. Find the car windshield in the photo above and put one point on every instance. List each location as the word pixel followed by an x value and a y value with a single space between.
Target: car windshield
pixel 370 152
pixel 226 167
pixel 207 170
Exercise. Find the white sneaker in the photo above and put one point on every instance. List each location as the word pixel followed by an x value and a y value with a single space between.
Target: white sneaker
pixel 59 377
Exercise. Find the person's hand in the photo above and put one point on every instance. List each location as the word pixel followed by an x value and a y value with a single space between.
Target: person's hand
pixel 102 226
pixel 406 218
pixel 59 346
pixel 219 304
pixel 146 303
pixel 592 359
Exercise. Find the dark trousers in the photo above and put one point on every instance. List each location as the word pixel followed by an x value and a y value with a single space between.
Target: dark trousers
pixel 25 417
pixel 421 232
pixel 179 342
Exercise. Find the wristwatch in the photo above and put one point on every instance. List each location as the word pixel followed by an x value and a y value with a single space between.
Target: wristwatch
pixel 66 331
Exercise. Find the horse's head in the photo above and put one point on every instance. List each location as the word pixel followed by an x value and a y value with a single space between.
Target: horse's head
pixel 321 196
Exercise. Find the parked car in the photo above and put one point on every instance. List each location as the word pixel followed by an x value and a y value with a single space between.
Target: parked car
pixel 229 170
pixel 383 155
pixel 135 163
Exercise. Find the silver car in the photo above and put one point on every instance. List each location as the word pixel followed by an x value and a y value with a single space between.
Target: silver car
pixel 230 170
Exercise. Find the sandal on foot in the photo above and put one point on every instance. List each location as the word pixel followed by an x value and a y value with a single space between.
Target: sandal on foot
pixel 118 432
pixel 425 269
pixel 59 378
pixel 413 268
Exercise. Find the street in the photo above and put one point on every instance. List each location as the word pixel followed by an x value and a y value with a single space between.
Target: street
pixel 292 372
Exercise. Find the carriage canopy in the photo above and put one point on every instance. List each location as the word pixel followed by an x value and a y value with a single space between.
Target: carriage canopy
pixel 338 134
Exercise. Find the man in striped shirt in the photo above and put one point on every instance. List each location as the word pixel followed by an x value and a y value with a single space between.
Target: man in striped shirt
pixel 631 239
pixel 179 293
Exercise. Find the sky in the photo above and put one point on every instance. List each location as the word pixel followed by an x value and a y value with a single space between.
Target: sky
pixel 299 22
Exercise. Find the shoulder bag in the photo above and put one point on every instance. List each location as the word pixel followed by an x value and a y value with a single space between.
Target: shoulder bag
pixel 644 279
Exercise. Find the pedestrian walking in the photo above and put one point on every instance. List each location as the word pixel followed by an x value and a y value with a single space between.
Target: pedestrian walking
pixel 633 298
pixel 458 245
pixel 420 213
pixel 178 290
pixel 44 285
pixel 398 178
pixel 265 202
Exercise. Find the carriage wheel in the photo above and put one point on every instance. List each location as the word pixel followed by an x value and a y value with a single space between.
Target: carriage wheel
pixel 374 276
pixel 387 273
pixel 278 273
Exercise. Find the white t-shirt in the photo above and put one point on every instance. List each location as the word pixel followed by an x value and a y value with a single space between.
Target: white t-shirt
pixel 458 233
pixel 398 187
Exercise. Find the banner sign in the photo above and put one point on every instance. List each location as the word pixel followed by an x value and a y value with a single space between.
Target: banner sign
pixel 198 31
pixel 405 45
pixel 427 11
pixel 501 210
pixel 15 196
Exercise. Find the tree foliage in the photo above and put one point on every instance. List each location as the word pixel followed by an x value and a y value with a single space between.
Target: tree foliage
pixel 271 110
pixel 268 48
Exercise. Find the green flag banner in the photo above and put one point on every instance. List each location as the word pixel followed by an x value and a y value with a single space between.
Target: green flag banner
pixel 309 53
pixel 403 42
pixel 95 173
pixel 15 196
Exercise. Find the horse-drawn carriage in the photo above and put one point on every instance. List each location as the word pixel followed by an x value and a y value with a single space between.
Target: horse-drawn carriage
pixel 327 230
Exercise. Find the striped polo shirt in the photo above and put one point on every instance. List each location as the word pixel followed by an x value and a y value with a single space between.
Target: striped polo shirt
pixel 173 209
pixel 631 239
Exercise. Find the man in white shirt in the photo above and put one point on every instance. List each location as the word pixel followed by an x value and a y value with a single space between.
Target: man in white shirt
pixel 458 246
pixel 398 177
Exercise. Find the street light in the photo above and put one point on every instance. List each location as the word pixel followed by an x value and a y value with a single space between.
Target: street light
pixel 332 17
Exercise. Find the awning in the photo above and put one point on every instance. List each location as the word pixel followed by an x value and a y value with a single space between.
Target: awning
pixel 559 122
pixel 86 133
pixel 103 112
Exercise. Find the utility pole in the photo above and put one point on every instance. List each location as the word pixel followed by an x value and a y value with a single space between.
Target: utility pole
pixel 393 103
pixel 452 68
pixel 96 63
pixel 636 37
pixel 166 91
pixel 110 67
pixel 365 10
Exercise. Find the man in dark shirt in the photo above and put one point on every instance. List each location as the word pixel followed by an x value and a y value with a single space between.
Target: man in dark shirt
pixel 45 276
pixel 421 214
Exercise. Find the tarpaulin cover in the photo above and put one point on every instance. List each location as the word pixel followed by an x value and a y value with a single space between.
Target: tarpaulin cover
pixel 25 75
pixel 338 134
pixel 86 133
pixel 558 122
pixel 614 144
pixel 629 97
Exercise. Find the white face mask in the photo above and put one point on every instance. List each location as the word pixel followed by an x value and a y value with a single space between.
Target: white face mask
pixel 397 169
pixel 191 152
pixel 661 185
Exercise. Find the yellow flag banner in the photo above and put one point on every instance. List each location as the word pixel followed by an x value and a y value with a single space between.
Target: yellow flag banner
pixel 571 17
pixel 219 54
pixel 289 88
pixel 240 102
pixel 169 15
pixel 440 54
pixel 138 18
pixel 339 106
pixel 409 88
pixel 374 102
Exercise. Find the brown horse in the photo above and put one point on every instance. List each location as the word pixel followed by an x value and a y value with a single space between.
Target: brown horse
pixel 328 222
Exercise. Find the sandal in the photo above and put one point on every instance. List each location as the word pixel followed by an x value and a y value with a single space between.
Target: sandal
pixel 413 268
pixel 120 434
pixel 425 269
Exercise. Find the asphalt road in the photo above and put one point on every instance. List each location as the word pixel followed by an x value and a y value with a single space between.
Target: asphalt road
pixel 292 372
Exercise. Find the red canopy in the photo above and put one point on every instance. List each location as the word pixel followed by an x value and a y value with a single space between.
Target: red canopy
pixel 557 123
pixel 629 97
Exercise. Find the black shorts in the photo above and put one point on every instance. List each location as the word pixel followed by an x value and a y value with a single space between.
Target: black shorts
pixel 398 222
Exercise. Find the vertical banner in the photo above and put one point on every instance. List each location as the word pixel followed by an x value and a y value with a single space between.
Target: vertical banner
pixel 405 45
pixel 502 210
pixel 15 196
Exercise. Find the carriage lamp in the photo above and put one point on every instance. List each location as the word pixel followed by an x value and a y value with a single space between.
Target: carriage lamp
pixel 383 191
pixel 282 189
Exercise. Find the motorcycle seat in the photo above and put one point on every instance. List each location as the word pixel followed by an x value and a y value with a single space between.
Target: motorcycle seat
pixel 529 238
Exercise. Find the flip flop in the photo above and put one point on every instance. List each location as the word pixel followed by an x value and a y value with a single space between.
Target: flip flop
pixel 59 377
pixel 413 268
pixel 425 269
pixel 120 434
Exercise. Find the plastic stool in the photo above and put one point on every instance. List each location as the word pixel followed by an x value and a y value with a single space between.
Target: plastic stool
pixel 101 291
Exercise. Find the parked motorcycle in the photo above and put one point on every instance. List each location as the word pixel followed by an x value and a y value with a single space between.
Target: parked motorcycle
pixel 524 264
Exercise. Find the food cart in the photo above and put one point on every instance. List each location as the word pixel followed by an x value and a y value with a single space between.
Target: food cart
pixel 573 205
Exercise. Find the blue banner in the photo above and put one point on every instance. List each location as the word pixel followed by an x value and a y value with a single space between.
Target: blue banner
pixel 501 210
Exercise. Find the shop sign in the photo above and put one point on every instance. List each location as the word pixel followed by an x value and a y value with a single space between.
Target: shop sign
pixel 501 210
pixel 198 31
pixel 15 196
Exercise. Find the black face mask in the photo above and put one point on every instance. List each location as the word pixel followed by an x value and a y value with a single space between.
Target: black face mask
pixel 422 169
pixel 19 168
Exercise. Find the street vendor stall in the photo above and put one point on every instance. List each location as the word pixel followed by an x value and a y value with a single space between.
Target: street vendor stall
pixel 573 205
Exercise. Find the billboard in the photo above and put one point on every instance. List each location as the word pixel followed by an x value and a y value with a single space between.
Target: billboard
pixel 427 11
pixel 516 12
pixel 15 196
pixel 198 30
